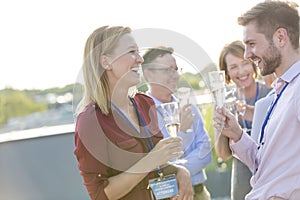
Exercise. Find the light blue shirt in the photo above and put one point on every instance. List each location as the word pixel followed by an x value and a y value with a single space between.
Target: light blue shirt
pixel 196 145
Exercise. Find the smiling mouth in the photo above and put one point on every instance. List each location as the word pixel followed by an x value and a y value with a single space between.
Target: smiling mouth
pixel 136 69
pixel 243 78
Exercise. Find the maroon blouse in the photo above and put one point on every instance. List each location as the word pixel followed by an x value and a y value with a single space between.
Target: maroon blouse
pixel 107 145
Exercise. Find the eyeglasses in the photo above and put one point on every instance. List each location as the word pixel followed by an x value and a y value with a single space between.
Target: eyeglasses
pixel 166 69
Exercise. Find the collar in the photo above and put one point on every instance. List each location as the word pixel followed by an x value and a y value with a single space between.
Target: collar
pixel 291 73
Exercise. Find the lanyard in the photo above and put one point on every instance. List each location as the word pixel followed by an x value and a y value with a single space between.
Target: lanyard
pixel 143 123
pixel 269 114
pixel 149 145
pixel 247 125
pixel 160 173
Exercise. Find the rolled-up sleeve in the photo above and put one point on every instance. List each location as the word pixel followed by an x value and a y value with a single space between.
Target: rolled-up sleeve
pixel 95 185
pixel 245 150
pixel 94 173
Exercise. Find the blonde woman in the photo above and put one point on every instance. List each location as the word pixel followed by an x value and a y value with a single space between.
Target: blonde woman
pixel 119 146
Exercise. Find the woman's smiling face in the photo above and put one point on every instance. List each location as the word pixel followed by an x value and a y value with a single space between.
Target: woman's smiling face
pixel 126 61
pixel 240 70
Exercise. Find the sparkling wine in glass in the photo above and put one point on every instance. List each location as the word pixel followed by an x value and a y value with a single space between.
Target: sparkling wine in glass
pixel 172 129
pixel 171 118
pixel 170 113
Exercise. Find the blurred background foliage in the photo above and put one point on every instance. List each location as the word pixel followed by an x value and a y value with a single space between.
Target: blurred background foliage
pixel 19 103
pixel 16 103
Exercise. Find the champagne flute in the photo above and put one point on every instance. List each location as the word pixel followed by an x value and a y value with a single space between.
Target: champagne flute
pixel 230 99
pixel 240 100
pixel 217 86
pixel 170 113
pixel 183 94
pixel 171 117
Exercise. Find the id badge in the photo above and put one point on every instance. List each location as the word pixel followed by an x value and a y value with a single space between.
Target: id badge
pixel 165 187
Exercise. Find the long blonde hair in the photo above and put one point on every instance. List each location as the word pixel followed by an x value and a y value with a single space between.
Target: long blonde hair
pixel 102 41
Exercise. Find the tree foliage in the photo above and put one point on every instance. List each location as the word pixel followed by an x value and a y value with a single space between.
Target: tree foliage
pixel 190 80
pixel 16 103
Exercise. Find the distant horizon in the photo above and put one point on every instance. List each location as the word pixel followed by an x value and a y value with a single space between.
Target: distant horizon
pixel 8 87
pixel 50 87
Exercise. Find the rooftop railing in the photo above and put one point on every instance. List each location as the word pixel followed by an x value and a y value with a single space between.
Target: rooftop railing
pixel 39 164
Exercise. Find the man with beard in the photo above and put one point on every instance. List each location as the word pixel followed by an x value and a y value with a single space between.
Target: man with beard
pixel 271 36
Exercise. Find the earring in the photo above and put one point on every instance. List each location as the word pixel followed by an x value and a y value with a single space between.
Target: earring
pixel 106 64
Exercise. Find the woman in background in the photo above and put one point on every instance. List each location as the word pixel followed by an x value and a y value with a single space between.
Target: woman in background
pixel 242 73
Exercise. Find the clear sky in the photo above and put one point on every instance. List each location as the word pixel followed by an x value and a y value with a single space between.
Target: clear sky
pixel 42 41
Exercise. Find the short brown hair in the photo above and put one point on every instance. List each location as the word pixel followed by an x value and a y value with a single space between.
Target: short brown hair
pixel 155 52
pixel 237 49
pixel 271 15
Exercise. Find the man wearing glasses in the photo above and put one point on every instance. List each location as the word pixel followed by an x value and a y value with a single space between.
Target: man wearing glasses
pixel 161 74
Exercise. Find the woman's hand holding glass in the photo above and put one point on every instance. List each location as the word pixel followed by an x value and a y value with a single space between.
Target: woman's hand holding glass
pixel 235 100
pixel 165 150
pixel 171 117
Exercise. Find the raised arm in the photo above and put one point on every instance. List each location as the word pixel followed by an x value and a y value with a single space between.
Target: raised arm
pixel 242 145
